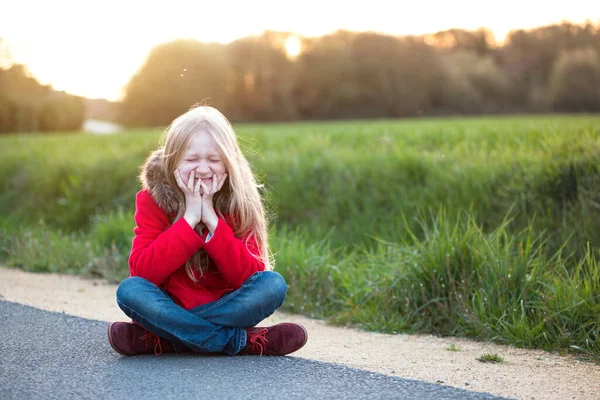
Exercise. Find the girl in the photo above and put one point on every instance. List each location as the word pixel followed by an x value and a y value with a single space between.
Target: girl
pixel 200 271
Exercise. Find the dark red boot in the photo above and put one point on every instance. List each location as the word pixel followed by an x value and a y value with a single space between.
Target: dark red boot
pixel 277 340
pixel 131 339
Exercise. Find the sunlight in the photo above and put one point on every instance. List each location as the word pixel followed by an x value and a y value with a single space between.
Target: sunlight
pixel 293 46
pixel 75 52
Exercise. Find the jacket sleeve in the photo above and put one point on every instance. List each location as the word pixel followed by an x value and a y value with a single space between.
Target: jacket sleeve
pixel 231 256
pixel 158 248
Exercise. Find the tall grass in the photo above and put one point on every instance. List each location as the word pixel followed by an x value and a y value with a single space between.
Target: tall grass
pixel 457 281
pixel 354 178
pixel 484 228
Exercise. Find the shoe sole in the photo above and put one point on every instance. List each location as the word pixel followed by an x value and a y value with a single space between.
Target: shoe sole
pixel 110 340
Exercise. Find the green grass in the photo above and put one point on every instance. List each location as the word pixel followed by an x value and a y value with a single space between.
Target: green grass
pixel 452 347
pixel 490 358
pixel 356 179
pixel 482 227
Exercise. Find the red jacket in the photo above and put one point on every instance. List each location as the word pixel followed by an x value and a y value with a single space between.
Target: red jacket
pixel 160 250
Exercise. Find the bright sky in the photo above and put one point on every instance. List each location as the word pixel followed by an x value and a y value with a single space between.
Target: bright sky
pixel 92 48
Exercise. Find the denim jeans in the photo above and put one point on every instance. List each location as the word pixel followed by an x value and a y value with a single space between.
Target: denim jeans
pixel 216 327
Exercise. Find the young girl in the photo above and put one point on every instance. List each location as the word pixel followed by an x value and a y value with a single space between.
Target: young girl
pixel 200 271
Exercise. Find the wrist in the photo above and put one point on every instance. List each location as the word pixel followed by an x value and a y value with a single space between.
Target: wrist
pixel 192 220
pixel 211 224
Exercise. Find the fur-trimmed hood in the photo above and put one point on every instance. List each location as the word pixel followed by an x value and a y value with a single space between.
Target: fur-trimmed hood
pixel 154 178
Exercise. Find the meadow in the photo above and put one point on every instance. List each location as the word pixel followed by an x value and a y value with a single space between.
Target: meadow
pixel 478 227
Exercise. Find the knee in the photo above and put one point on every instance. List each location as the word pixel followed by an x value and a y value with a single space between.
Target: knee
pixel 129 291
pixel 275 288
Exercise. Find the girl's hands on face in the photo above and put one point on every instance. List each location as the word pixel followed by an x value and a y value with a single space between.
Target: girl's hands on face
pixel 215 185
pixel 193 198
pixel 209 217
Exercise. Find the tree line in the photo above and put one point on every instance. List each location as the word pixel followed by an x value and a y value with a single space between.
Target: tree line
pixel 343 75
pixel 26 105
pixel 555 68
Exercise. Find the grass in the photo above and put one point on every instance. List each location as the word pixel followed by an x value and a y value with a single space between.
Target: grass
pixel 483 228
pixel 452 347
pixel 490 358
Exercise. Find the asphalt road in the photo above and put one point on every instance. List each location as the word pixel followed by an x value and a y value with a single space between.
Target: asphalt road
pixel 46 355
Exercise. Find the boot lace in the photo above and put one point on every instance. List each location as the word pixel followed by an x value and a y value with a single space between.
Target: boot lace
pixel 258 341
pixel 148 337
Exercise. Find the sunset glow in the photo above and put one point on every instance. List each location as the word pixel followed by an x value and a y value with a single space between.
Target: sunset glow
pixel 93 49
pixel 293 46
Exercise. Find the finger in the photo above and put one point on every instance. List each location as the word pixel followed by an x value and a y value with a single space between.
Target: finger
pixel 178 178
pixel 213 186
pixel 222 182
pixel 204 188
pixel 197 187
pixel 191 181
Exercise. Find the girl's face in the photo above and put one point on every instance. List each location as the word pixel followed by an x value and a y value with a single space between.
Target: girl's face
pixel 203 158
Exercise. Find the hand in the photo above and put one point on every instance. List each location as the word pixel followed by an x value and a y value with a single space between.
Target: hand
pixel 209 217
pixel 193 198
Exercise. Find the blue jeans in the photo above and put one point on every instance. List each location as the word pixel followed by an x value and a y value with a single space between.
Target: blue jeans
pixel 216 327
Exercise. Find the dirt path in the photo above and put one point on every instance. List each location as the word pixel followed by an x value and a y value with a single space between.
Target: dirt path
pixel 525 374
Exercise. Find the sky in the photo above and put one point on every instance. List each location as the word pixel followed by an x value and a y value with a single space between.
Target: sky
pixel 92 48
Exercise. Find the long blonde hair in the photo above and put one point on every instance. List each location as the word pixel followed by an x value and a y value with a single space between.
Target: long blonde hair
pixel 239 197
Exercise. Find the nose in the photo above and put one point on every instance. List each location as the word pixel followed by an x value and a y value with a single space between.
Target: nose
pixel 202 168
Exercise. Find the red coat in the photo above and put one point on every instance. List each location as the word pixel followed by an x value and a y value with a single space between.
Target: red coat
pixel 160 250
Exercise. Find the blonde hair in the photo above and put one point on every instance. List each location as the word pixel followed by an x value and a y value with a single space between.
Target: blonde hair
pixel 239 197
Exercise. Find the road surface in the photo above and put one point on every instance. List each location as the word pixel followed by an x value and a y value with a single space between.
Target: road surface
pixel 47 355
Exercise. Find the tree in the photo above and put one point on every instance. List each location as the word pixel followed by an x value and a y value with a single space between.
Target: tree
pixel 350 75
pixel 575 81
pixel 481 41
pixel 473 84
pixel 324 86
pixel 528 57
pixel 175 76
pixel 260 79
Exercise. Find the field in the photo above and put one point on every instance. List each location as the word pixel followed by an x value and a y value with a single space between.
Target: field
pixel 479 227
